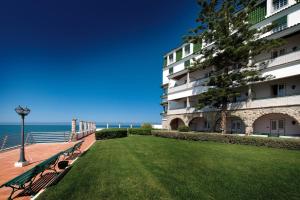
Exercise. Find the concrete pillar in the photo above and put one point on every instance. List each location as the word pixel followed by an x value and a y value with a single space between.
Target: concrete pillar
pixel 248 130
pixel 130 125
pixel 73 125
pixel 107 125
pixel 119 125
pixel 188 102
pixel 73 130
pixel 188 79
pixel 269 7
pixel 85 126
pixel 250 95
pixel 81 126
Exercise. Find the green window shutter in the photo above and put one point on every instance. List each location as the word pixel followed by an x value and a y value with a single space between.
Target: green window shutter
pixel 258 14
pixel 165 61
pixel 187 64
pixel 197 46
pixel 178 55
pixel 171 70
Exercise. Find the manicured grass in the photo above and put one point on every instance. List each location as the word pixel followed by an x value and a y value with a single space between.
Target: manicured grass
pixel 147 167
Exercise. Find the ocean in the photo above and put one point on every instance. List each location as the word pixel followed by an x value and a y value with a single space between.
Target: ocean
pixel 14 131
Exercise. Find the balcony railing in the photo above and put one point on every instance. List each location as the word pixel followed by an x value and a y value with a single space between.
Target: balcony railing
pixel 266 102
pixel 186 86
pixel 256 103
pixel 287 58
pixel 181 111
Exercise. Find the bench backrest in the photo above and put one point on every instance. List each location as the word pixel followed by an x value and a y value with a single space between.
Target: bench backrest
pixel 78 145
pixel 47 163
pixel 27 176
pixel 22 179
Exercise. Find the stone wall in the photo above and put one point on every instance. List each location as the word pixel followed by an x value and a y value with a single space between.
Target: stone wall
pixel 247 116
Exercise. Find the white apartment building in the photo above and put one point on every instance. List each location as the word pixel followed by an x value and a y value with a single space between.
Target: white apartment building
pixel 270 107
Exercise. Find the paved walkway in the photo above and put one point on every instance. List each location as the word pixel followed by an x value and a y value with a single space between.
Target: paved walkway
pixel 35 154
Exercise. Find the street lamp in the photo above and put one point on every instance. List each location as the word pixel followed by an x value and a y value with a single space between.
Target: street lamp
pixel 22 112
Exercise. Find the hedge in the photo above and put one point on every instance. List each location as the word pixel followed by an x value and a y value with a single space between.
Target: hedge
pixel 293 144
pixel 111 133
pixel 139 131
pixel 183 129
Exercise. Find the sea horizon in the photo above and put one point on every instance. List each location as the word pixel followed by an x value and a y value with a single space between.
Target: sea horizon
pixel 69 123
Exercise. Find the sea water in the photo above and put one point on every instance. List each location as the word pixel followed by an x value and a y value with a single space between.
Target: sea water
pixel 13 132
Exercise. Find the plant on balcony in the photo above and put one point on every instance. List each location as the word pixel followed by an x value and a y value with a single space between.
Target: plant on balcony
pixel 235 44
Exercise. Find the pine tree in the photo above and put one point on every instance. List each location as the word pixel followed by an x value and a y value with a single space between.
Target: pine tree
pixel 235 43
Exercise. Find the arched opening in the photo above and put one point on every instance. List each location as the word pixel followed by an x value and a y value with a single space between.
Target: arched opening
pixel 235 125
pixel 276 124
pixel 176 123
pixel 199 124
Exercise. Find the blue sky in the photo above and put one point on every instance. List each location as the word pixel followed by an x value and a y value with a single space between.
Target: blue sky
pixel 93 60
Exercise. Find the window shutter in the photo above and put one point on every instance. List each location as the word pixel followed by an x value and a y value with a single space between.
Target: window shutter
pixel 178 55
pixel 258 14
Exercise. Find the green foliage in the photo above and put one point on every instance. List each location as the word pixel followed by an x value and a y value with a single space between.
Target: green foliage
pixel 235 42
pixel 139 131
pixel 183 128
pixel 146 126
pixel 111 133
pixel 232 139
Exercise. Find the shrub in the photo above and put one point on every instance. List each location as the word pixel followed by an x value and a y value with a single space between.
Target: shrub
pixel 293 144
pixel 139 131
pixel 146 126
pixel 183 129
pixel 111 133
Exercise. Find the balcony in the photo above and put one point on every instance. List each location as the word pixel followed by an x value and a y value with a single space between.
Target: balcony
pixel 198 82
pixel 266 102
pixel 181 111
pixel 284 59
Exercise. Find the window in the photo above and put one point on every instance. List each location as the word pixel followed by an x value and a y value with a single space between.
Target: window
pixel 277 53
pixel 187 50
pixel 281 52
pixel 281 124
pixel 277 4
pixel 278 90
pixel 171 58
pixel 165 61
pixel 280 24
pixel 274 54
pixel 273 125
pixel 295 48
pixel 206 125
pixel 187 64
pixel 171 70
pixel 185 104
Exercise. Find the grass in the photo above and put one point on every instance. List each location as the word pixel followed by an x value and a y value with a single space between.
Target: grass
pixel 146 167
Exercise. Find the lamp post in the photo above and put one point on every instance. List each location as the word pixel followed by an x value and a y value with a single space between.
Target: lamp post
pixel 22 112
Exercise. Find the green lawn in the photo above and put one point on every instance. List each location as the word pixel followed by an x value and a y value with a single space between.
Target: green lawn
pixel 147 167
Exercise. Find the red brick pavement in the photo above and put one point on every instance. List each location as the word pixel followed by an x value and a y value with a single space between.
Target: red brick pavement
pixel 35 154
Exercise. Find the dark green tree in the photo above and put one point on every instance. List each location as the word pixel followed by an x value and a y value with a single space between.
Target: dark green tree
pixel 235 43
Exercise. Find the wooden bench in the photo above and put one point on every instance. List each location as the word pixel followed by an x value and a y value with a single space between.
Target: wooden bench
pixel 26 179
pixel 71 150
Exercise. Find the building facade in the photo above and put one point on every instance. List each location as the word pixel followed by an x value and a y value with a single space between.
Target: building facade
pixel 269 107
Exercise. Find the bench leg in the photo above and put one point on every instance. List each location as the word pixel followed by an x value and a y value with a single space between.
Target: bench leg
pixel 12 192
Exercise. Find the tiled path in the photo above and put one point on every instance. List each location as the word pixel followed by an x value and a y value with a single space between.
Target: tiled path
pixel 35 154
